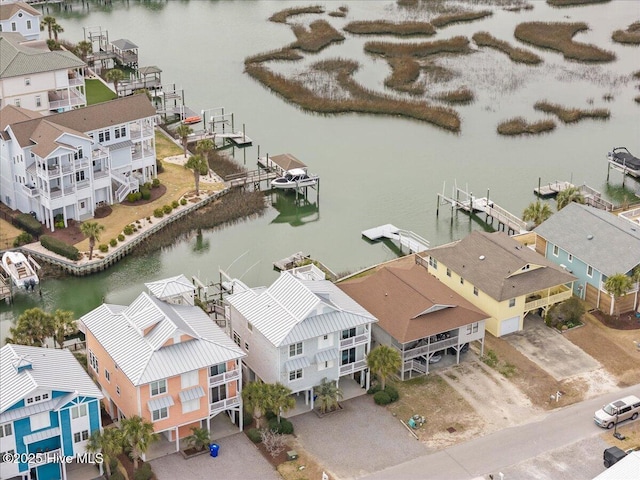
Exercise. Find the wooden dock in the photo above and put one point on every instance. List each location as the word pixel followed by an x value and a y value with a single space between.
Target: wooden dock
pixel 6 290
pixel 592 197
pixel 551 189
pixel 291 261
pixel 252 178
pixel 410 240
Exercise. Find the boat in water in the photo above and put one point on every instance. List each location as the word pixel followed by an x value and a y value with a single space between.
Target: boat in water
pixel 623 157
pixel 21 271
pixel 295 178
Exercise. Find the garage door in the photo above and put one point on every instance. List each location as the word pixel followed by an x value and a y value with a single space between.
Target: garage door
pixel 509 325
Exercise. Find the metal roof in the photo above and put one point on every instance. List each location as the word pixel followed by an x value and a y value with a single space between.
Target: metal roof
pixel 170 287
pixel 124 44
pixel 18 58
pixel 280 312
pixel 142 338
pixel 326 355
pixel 608 243
pixel 161 402
pixel 191 394
pixel 297 364
pixel 51 369
pixel 626 468
pixel 41 435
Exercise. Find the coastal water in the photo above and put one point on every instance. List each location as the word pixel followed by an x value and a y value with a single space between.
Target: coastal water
pixel 374 170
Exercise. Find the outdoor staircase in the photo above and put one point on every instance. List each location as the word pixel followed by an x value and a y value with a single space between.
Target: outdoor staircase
pixel 125 185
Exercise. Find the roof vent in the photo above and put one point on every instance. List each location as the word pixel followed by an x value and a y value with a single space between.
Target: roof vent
pixel 21 363
pixel 589 237
pixel 481 257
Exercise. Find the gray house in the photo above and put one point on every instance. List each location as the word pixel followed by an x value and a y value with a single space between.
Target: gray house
pixel 299 331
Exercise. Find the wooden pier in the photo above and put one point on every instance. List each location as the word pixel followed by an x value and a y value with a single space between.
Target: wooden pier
pixel 405 238
pixel 252 178
pixel 592 197
pixel 283 163
pixel 291 261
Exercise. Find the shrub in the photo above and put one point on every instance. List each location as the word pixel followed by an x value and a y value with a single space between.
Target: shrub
pixel 566 313
pixel 155 183
pixel 158 213
pixel 146 194
pixel 103 247
pixel 59 247
pixel 128 230
pixel 374 389
pixel 254 435
pixel 392 392
pixel 23 239
pixel 167 209
pixel 247 417
pixel 144 472
pixel 490 359
pixel 147 185
pixel 148 219
pixel 159 167
pixel 269 415
pixel 175 204
pixel 113 242
pixel 59 224
pixel 131 197
pixel 285 427
pixel 120 237
pixel 183 201
pixel 28 223
pixel 381 398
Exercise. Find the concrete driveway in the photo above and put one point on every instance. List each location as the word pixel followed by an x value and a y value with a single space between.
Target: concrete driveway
pixel 550 350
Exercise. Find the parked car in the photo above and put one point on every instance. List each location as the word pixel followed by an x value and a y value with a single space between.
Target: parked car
pixel 618 411
pixel 613 455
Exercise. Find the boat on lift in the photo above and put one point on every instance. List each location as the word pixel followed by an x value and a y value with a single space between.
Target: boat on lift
pixel 21 271
pixel 622 157
pixel 294 178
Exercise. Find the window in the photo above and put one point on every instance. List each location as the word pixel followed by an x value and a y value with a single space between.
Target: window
pixel 158 387
pixel 475 291
pixel 218 393
pixel 80 176
pixel 120 132
pixel 104 136
pixel 189 379
pixel 78 154
pixel 295 349
pixel 217 369
pixel 249 327
pixel 556 250
pixel 475 327
pixel 40 421
pixel 589 270
pixel 82 207
pixel 325 337
pixel 160 414
pixel 433 262
pixel 191 405
pixel 348 356
pixel 324 365
pixel 79 411
pixel 295 375
pixel 512 302
pixel 461 281
pixel 246 346
pixel 81 436
pixel 6 430
pixel 448 272
pixel 93 361
pixel 118 390
pixel 570 257
pixel 28 24
pixel 27 81
pixel 38 101
pixel 236 338
pixel 17 102
pixel 13 26
pixel 107 375
pixel 348 333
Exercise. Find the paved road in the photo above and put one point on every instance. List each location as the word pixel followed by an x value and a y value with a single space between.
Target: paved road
pixel 506 449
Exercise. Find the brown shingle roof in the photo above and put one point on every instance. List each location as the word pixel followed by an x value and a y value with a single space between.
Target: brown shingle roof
pixel 399 296
pixel 490 261
pixel 12 114
pixel 287 161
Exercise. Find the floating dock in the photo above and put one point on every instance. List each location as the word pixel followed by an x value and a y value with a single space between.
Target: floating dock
pixel 551 189
pixel 412 241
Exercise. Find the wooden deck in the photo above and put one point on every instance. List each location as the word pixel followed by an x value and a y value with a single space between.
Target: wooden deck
pixel 551 189
pixel 252 177
pixel 412 241
pixel 291 261
pixel 592 197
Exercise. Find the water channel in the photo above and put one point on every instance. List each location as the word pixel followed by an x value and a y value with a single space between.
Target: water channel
pixel 374 170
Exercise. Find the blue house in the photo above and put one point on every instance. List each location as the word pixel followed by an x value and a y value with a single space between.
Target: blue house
pixel 49 406
pixel 592 245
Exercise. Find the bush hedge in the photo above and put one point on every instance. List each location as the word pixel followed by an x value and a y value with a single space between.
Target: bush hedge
pixel 285 427
pixel 128 230
pixel 155 183
pixel 113 242
pixel 392 392
pixel 167 209
pixel 120 237
pixel 381 398
pixel 374 389
pixel 144 472
pixel 59 247
pixel 158 213
pixel 254 435
pixel 103 247
pixel 23 239
pixel 175 204
pixel 146 194
pixel 247 417
pixel 183 201
pixel 28 223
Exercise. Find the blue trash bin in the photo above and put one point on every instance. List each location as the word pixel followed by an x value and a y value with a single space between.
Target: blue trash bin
pixel 213 449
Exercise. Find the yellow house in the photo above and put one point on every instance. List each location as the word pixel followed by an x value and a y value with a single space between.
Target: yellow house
pixel 501 277
pixel 164 360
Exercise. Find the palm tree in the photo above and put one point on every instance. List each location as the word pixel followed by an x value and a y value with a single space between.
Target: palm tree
pixel 84 48
pixel 137 434
pixel 199 439
pixel 93 231
pixel 256 399
pixel 617 285
pixel 280 399
pixel 537 212
pixel 565 197
pixel 384 361
pixel 56 28
pixel 48 22
pixel 33 327
pixel 199 166
pixel 115 75
pixel 203 147
pixel 63 325
pixel 109 442
pixel 183 131
pixel 329 395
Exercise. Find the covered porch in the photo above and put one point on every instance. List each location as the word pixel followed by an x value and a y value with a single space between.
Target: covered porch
pixel 304 401
pixel 546 298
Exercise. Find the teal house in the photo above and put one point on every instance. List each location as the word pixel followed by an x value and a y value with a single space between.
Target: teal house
pixel 49 407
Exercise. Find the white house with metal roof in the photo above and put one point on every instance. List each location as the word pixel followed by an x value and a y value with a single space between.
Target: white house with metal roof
pixel 166 362
pixel 177 290
pixel 593 245
pixel 21 18
pixel 34 77
pixel 299 331
pixel 64 166
pixel 49 407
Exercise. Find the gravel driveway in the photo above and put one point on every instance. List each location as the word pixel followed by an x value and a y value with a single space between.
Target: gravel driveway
pixel 361 439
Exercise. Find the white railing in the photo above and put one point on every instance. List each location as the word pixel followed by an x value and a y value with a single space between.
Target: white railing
pixel 83 184
pixel 429 348
pixel 353 341
pixel 224 377
pixel 634 288
pixel 415 365
pixel 32 192
pixel 550 300
pixel 353 367
pixel 217 407
pixel 122 192
pixel 100 173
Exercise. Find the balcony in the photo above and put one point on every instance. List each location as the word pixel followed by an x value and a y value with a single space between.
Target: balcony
pixel 353 341
pixel 559 295
pixel 350 368
pixel 83 184
pixel 224 377
pixel 65 99
pixel 76 80
pixel 31 192
pixel 101 173
pixel 222 405
pixel 99 152
pixel 429 348
pixel 137 133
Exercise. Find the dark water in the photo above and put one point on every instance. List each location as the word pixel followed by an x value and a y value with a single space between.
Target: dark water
pixel 374 170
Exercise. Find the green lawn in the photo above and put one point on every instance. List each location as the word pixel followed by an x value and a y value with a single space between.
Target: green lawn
pixel 97 92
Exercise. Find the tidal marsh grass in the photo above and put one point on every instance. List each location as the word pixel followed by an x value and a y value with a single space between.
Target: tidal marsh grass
pixel 573 3
pixel 282 54
pixel 319 35
pixel 519 126
pixel 518 55
pixel 283 15
pixel 384 27
pixel 461 17
pixel 571 115
pixel 458 44
pixel 559 37
pixel 460 96
pixel 630 36
pixel 404 73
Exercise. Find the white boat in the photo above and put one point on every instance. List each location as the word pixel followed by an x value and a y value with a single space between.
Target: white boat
pixel 294 178
pixel 21 271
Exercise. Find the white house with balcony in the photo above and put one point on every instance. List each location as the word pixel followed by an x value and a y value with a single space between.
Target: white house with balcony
pixel 299 331
pixel 34 77
pixel 64 166
pixel 21 18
